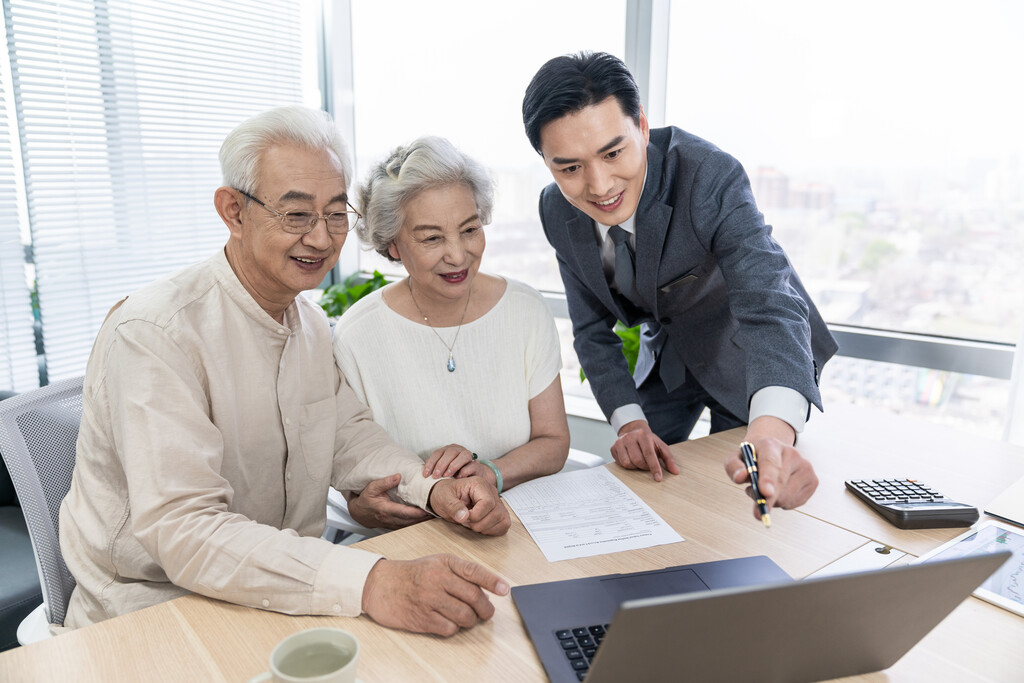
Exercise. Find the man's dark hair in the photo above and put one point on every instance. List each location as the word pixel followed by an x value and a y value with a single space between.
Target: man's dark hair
pixel 570 83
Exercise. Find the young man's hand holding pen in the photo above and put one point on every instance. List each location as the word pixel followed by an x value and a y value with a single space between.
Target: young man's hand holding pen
pixel 785 479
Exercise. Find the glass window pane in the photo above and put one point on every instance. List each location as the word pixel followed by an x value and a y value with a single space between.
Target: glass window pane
pixel 464 79
pixel 969 402
pixel 121 109
pixel 883 143
pixel 17 338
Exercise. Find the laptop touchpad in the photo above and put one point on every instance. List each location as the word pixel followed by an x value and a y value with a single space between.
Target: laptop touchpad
pixel 652 584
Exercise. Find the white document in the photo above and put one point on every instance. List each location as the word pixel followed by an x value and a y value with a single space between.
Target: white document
pixel 586 512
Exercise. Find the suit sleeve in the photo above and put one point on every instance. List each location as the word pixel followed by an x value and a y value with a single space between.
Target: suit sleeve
pixel 773 322
pixel 597 346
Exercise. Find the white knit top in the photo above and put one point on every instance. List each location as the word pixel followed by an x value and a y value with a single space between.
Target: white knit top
pixel 398 368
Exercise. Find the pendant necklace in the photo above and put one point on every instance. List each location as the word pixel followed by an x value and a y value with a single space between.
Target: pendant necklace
pixel 450 347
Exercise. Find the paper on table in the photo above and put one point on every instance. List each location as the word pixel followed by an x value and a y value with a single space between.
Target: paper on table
pixel 586 512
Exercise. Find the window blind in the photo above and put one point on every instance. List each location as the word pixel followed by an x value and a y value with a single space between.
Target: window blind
pixel 18 370
pixel 121 109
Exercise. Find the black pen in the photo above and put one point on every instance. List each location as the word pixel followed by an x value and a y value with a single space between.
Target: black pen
pixel 750 460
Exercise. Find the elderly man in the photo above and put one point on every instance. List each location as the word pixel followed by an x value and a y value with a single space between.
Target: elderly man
pixel 214 420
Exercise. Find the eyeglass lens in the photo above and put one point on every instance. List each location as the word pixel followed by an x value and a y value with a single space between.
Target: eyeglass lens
pixel 304 221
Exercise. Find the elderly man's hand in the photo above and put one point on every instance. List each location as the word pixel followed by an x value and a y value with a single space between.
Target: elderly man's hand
pixel 785 478
pixel 436 594
pixel 472 502
pixel 638 448
pixel 374 509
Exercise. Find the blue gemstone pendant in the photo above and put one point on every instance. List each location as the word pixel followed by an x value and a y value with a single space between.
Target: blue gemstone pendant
pixel 451 363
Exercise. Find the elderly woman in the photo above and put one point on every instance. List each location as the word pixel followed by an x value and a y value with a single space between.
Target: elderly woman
pixel 458 365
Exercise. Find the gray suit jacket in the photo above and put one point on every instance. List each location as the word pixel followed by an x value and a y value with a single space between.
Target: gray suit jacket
pixel 713 284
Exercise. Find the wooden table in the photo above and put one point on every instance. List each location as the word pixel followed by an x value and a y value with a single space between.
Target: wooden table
pixel 198 639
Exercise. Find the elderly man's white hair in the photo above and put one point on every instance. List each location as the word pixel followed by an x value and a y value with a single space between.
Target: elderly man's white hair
pixel 244 146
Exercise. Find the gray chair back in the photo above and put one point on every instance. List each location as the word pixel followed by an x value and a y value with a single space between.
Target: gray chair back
pixel 38 432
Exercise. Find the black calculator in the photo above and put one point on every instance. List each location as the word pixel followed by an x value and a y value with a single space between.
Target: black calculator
pixel 909 504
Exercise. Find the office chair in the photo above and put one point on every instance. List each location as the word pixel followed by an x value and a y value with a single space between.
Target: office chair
pixel 38 432
pixel 20 592
pixel 340 524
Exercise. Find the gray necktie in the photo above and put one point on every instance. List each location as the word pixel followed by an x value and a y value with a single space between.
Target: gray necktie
pixel 624 276
pixel 671 368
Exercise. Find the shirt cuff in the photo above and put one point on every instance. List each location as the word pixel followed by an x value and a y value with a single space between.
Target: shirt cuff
pixel 414 488
pixel 626 414
pixel 338 587
pixel 787 404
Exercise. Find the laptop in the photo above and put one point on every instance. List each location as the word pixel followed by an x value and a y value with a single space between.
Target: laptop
pixel 709 622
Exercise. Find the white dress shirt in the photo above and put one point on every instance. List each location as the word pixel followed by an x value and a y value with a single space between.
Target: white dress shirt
pixel 784 403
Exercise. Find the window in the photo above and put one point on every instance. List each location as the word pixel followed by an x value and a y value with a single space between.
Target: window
pixel 17 345
pixel 121 108
pixel 882 143
pixel 464 79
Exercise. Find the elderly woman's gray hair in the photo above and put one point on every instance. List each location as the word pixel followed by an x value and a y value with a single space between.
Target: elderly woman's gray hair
pixel 424 164
pixel 243 147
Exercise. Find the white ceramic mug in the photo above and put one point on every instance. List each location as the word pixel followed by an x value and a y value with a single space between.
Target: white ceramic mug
pixel 317 655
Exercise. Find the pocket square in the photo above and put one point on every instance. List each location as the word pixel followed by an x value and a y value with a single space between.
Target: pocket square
pixel 689 277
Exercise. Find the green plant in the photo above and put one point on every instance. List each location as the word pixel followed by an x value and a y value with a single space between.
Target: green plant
pixel 630 337
pixel 337 298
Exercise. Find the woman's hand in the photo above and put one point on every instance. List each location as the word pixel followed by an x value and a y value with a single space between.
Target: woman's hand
pixel 447 461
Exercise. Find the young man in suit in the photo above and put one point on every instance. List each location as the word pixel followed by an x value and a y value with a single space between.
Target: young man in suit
pixel 660 227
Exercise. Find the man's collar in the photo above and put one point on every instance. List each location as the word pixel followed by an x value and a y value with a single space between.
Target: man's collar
pixel 245 300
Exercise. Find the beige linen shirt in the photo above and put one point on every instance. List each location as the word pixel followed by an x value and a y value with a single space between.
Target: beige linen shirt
pixel 210 434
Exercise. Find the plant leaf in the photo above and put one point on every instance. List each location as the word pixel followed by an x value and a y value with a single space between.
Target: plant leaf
pixel 630 337
pixel 339 297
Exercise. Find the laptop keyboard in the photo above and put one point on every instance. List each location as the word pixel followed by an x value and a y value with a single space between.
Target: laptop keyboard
pixel 580 645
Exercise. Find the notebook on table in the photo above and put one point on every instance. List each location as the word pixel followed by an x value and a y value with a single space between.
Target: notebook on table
pixel 740 619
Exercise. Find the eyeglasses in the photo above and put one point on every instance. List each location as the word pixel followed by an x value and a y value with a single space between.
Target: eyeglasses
pixel 301 222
